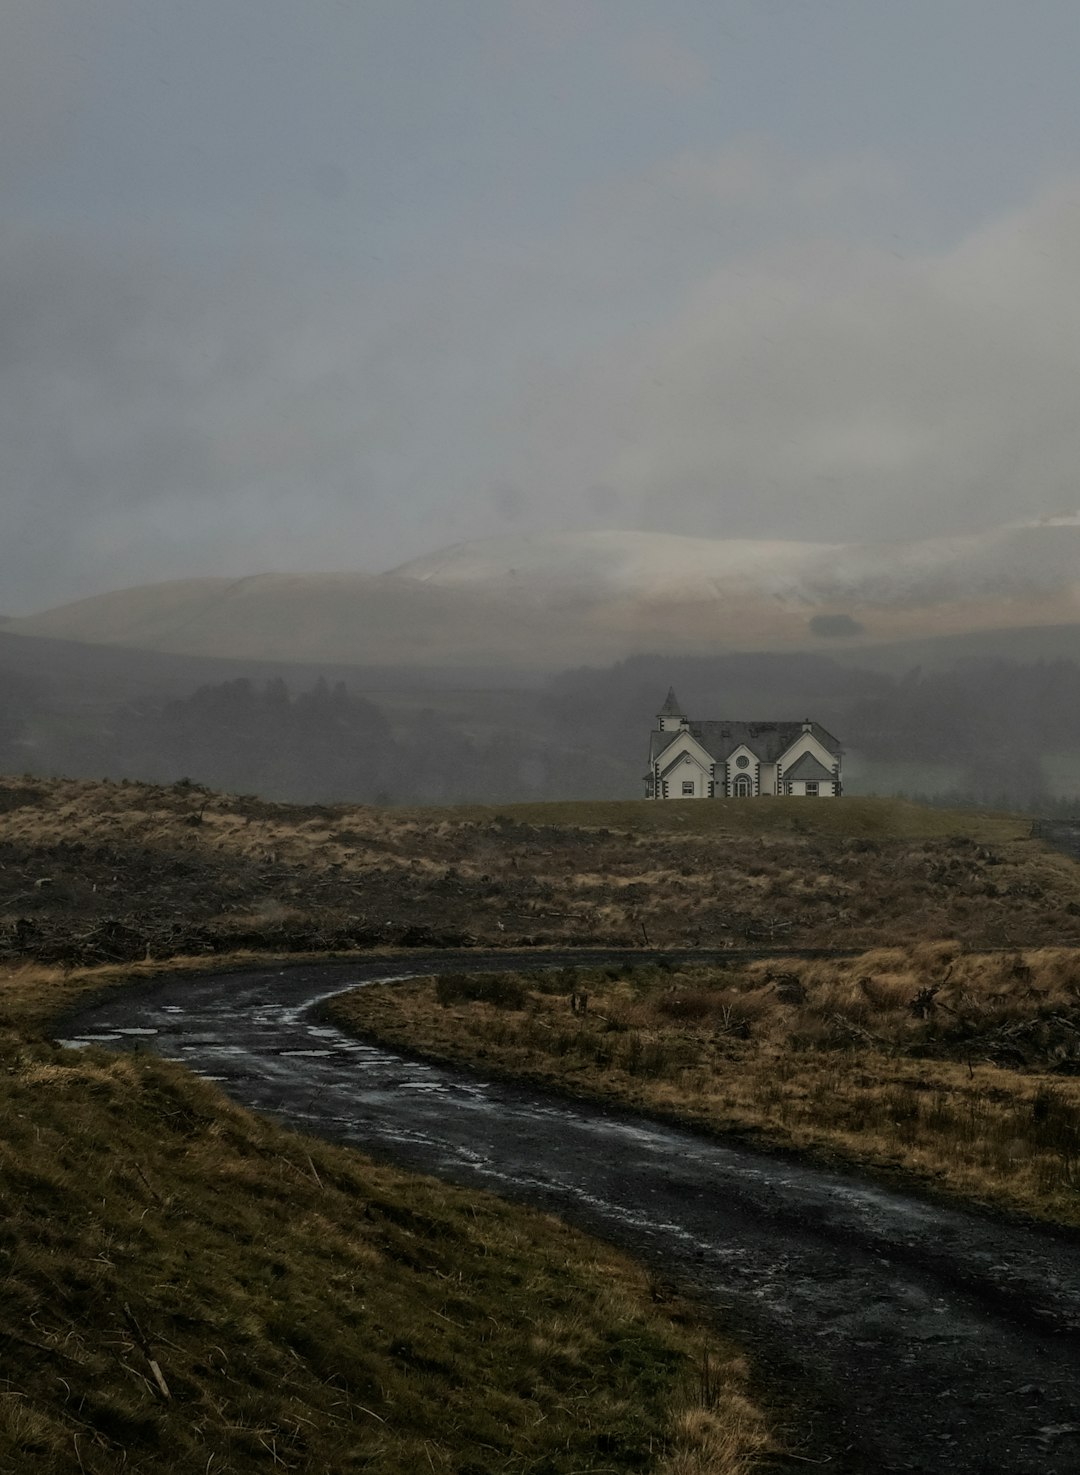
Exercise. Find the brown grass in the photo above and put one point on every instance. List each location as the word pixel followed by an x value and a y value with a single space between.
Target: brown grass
pixel 975 1090
pixel 95 872
pixel 281 1307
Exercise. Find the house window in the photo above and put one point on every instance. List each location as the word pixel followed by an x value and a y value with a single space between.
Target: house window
pixel 688 786
pixel 742 761
pixel 811 789
pixel 741 787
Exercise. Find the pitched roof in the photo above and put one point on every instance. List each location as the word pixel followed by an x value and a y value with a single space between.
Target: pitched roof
pixel 671 706
pixel 807 767
pixel 768 741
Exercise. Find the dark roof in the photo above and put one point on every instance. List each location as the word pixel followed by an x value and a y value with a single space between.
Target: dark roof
pixel 671 706
pixel 768 741
pixel 807 767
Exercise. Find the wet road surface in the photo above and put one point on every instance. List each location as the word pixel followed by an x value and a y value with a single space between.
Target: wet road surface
pixel 928 1339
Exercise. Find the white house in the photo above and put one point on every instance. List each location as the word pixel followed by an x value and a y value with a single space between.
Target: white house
pixel 739 760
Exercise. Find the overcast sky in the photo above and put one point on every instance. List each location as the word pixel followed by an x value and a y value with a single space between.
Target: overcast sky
pixel 315 284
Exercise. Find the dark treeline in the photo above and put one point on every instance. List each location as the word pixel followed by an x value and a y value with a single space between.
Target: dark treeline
pixel 999 720
pixel 327 743
pixel 1003 730
pixel 20 698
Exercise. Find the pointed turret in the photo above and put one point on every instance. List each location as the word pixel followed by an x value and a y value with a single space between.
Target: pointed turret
pixel 671 715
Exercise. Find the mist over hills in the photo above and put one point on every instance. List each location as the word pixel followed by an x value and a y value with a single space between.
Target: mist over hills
pixel 531 667
pixel 544 602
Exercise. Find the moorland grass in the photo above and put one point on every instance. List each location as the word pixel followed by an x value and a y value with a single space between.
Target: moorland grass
pixel 852 817
pixel 95 872
pixel 959 1070
pixel 306 1310
pixel 185 1287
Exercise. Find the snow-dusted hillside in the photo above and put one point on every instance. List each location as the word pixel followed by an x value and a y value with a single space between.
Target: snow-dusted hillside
pixel 593 567
pixel 1039 558
pixel 566 598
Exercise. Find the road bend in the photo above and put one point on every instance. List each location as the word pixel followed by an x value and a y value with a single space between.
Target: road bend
pixel 919 1337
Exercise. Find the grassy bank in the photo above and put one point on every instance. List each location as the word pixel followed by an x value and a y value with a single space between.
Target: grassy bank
pixel 958 1070
pixel 189 1288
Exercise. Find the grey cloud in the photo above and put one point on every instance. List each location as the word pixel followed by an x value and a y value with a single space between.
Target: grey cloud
pixel 827 390
pixel 159 419
pixel 162 415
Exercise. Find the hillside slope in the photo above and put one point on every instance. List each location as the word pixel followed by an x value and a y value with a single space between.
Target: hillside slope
pixel 544 601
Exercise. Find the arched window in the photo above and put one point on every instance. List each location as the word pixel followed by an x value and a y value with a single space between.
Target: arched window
pixel 743 787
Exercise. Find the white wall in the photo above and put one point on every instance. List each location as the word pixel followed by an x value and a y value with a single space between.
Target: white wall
pixel 826 789
pixel 687 769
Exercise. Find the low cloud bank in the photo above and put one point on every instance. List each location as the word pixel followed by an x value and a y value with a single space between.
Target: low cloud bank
pixel 164 414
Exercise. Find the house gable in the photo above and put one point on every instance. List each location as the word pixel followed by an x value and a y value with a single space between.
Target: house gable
pixel 806 741
pixel 682 770
pixel 808 767
pixel 682 743
pixel 742 773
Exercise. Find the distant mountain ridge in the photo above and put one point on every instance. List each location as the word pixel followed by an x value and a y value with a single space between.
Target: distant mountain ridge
pixel 544 601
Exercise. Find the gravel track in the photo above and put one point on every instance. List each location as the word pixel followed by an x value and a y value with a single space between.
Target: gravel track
pixel 919 1337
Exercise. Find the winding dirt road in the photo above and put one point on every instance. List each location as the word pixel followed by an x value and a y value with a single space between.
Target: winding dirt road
pixel 923 1338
